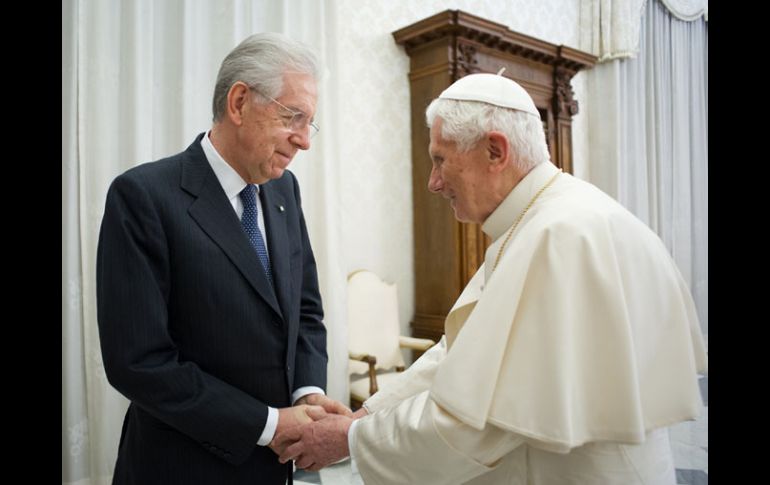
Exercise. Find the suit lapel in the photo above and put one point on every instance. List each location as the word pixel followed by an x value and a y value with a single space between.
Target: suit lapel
pixel 215 215
pixel 274 211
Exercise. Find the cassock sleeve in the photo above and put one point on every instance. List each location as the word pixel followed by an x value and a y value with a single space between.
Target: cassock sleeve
pixel 417 378
pixel 418 442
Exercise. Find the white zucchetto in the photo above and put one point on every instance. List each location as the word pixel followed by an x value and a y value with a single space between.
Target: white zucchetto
pixel 492 89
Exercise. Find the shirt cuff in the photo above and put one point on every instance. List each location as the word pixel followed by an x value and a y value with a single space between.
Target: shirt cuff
pixel 270 426
pixel 352 446
pixel 272 414
pixel 304 391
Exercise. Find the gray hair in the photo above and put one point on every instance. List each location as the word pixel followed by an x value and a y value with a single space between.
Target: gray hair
pixel 466 123
pixel 260 61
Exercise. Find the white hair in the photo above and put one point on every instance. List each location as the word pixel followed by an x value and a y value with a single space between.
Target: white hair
pixel 466 123
pixel 260 61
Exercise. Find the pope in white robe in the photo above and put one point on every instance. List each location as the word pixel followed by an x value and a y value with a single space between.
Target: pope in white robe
pixel 568 354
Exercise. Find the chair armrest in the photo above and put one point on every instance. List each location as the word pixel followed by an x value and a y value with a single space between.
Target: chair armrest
pixel 369 359
pixel 372 361
pixel 422 344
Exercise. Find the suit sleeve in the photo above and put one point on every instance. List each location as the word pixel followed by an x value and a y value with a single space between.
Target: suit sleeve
pixel 419 442
pixel 141 359
pixel 311 357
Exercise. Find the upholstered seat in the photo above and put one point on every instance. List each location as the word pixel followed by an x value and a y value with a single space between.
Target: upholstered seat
pixel 375 344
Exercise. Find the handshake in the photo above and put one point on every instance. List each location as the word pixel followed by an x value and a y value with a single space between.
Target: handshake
pixel 313 432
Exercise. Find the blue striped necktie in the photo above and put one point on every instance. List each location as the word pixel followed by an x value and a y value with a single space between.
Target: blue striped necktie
pixel 249 223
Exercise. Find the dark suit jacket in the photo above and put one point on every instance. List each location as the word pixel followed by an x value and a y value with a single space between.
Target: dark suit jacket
pixel 192 331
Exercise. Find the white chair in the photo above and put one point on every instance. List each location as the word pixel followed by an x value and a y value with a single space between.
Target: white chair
pixel 375 344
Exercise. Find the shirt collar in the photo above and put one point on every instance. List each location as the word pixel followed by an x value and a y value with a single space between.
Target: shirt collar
pixel 514 203
pixel 231 182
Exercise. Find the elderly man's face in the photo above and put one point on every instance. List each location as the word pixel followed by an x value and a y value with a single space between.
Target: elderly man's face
pixel 460 177
pixel 267 145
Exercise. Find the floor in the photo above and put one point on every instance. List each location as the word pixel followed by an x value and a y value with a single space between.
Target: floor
pixel 338 474
pixel 690 444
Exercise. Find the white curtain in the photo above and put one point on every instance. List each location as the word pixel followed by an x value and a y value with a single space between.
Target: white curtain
pixel 137 82
pixel 609 29
pixel 688 9
pixel 648 119
pixel 648 143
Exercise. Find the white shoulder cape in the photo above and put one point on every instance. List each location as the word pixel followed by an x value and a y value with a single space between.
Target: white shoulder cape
pixel 585 331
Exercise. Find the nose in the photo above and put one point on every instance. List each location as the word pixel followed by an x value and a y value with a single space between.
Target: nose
pixel 301 138
pixel 435 182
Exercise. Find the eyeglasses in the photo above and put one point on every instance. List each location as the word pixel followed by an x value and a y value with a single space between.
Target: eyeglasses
pixel 293 120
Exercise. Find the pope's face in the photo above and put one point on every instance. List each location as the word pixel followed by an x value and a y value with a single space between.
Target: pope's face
pixel 461 177
pixel 266 144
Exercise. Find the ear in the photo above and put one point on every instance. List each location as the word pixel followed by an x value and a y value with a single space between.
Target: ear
pixel 497 151
pixel 237 99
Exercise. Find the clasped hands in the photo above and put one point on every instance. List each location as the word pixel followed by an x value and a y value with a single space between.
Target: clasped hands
pixel 314 432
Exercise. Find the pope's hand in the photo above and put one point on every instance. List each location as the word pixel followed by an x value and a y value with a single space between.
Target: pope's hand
pixel 360 413
pixel 330 405
pixel 317 444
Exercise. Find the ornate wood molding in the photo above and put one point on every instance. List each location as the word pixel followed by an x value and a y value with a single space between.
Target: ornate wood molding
pixel 466 60
pixel 456 23
pixel 565 104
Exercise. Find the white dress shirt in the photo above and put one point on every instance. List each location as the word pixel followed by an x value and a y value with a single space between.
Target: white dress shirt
pixel 233 184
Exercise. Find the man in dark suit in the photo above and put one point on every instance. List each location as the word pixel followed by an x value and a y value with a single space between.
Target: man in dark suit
pixel 209 313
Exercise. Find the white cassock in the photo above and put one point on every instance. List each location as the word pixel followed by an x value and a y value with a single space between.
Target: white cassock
pixel 562 366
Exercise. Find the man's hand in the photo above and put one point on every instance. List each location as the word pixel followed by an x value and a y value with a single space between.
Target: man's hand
pixel 330 405
pixel 318 444
pixel 292 417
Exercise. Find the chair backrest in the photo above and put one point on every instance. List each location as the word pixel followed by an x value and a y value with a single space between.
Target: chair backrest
pixel 373 324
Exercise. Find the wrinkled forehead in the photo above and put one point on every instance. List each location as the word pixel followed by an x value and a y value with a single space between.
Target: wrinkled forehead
pixel 300 92
pixel 437 141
